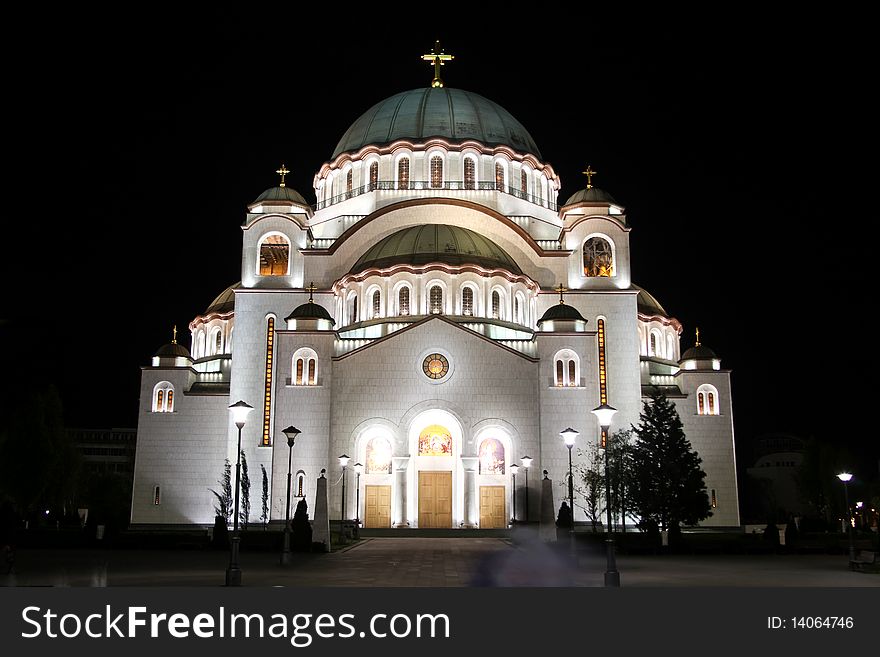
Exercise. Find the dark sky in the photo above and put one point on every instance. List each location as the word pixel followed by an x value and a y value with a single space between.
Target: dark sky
pixel 137 142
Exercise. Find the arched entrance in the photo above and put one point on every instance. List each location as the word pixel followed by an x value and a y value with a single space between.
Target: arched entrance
pixel 435 438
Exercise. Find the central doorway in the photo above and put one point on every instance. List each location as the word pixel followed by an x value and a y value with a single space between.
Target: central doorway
pixel 377 506
pixel 435 499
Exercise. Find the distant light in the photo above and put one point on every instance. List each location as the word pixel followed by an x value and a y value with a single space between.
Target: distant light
pixel 527 462
pixel 844 476
pixel 569 436
pixel 859 505
pixel 47 512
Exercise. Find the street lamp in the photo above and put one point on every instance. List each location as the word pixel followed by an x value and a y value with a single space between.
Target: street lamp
pixel 845 478
pixel 527 462
pixel 605 414
pixel 514 468
pixel 569 436
pixel 291 432
pixel 343 462
pixel 358 467
pixel 239 412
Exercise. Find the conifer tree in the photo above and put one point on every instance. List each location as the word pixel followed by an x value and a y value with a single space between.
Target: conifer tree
pixel 245 513
pixel 223 508
pixel 264 517
pixel 667 486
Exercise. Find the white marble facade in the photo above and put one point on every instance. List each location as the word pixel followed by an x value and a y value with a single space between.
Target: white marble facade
pixel 422 241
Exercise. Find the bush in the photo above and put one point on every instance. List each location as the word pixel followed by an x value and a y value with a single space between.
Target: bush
pixel 301 528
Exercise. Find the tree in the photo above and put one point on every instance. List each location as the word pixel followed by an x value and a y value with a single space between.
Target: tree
pixel 264 516
pixel 223 508
pixel 590 484
pixel 245 513
pixel 301 539
pixel 668 487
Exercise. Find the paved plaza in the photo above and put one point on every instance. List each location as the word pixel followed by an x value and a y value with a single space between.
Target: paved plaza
pixel 416 561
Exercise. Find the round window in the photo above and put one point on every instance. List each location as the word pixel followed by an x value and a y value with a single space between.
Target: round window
pixel 435 366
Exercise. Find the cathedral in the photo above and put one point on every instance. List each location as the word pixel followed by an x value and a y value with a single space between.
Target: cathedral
pixel 430 325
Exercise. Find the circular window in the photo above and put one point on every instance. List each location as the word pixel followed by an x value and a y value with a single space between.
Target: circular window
pixel 435 366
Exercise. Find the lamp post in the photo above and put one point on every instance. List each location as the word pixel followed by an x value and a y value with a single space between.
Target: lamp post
pixel 239 412
pixel 358 467
pixel 343 462
pixel 605 414
pixel 569 436
pixel 527 462
pixel 514 468
pixel 845 478
pixel 291 432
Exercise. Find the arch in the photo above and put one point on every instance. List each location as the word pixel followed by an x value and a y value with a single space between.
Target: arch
pixel 373 299
pixel 299 490
pixel 491 457
pixel 157 496
pixel 470 171
pixel 520 309
pixel 524 182
pixel 467 300
pixel 273 255
pixel 200 345
pixel 374 175
pixel 598 256
pixel 449 424
pixel 216 341
pixel 436 162
pixel 351 307
pixel 349 182
pixel 655 343
pixel 670 346
pixel 378 454
pixel 435 298
pixel 163 397
pixel 229 340
pixel 404 299
pixel 304 367
pixel 567 368
pixel 500 175
pixel 498 303
pixel 402 172
pixel 708 401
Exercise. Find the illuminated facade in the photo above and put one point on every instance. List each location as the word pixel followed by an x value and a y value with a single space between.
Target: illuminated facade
pixel 438 314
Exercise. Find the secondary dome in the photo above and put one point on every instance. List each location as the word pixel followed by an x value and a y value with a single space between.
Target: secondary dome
pixel 224 302
pixel 310 310
pixel 591 195
pixel 451 114
pixel 282 194
pixel 647 304
pixel 561 312
pixel 419 245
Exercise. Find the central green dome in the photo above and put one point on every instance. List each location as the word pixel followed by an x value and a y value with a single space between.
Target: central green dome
pixel 419 245
pixel 451 114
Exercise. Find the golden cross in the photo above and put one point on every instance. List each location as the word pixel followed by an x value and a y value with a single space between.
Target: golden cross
pixel 437 57
pixel 311 288
pixel 589 173
pixel 174 333
pixel 698 337
pixel 283 171
pixel 560 289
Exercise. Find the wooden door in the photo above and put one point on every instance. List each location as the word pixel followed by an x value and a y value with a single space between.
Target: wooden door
pixel 493 509
pixel 435 499
pixel 377 506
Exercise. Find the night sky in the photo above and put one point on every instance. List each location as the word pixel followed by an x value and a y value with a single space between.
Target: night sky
pixel 138 141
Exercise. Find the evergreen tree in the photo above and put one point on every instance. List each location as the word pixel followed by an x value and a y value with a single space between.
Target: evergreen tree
pixel 264 517
pixel 223 508
pixel 590 484
pixel 668 486
pixel 245 513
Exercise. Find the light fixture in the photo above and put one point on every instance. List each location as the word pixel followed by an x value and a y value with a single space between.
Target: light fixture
pixel 844 476
pixel 605 415
pixel 291 432
pixel 569 436
pixel 344 459
pixel 240 412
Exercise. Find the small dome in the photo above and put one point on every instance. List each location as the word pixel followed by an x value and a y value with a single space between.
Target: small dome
pixel 699 352
pixel 419 245
pixel 591 195
pixel 173 350
pixel 310 310
pixel 647 304
pixel 283 194
pixel 450 114
pixel 225 301
pixel 561 312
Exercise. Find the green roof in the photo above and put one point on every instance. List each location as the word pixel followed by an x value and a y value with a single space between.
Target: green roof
pixel 310 310
pixel 281 194
pixel 647 304
pixel 173 350
pixel 591 195
pixel 451 114
pixel 419 245
pixel 223 302
pixel 698 352
pixel 561 312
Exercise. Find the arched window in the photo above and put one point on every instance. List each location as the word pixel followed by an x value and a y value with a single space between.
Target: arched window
pixel 470 173
pixel 435 440
pixel 403 301
pixel 300 483
pixel 653 349
pixel 467 301
pixel 218 343
pixel 496 305
pixel 266 440
pixel 707 400
pixel 274 256
pixel 374 175
pixel 229 341
pixel 377 303
pixel 435 300
pixel 348 182
pixel 524 182
pixel 200 345
pixel 670 347
pixel 379 456
pixel 352 308
pixel 567 366
pixel 516 310
pixel 491 456
pixel 163 398
pixel 598 258
pixel 499 176
pixel 157 496
pixel 305 367
pixel 436 172
pixel 403 173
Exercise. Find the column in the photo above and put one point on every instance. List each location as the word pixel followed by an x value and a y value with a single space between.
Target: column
pixel 471 500
pixel 399 466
